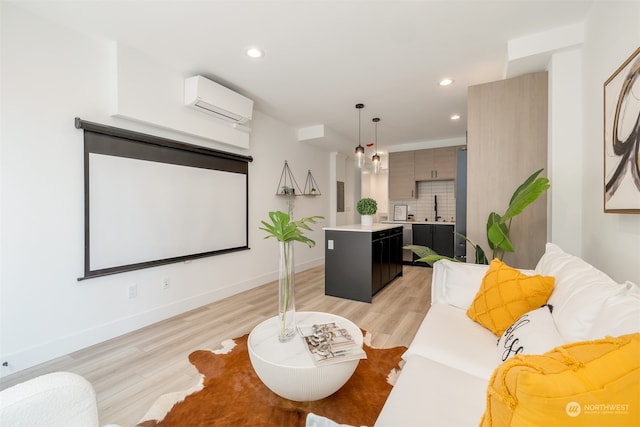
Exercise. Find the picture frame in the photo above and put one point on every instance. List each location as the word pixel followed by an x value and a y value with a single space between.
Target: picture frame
pixel 621 142
pixel 400 212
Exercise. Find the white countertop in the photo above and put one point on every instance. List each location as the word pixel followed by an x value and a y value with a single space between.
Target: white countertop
pixel 420 222
pixel 364 228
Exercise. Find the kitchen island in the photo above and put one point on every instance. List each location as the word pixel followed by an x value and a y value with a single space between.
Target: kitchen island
pixel 361 260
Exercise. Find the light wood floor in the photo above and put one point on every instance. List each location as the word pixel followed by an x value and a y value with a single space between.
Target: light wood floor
pixel 130 372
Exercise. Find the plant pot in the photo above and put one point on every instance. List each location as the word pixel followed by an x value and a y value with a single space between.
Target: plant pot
pixel 366 220
pixel 286 296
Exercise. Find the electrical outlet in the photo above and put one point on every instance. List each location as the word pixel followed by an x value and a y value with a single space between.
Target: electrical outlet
pixel 165 283
pixel 133 291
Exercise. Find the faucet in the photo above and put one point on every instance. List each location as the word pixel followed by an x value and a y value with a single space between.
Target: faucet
pixel 435 207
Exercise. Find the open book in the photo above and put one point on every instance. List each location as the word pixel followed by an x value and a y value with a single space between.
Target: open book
pixel 329 343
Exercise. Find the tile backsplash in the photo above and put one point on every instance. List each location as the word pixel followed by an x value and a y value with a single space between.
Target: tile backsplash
pixel 422 207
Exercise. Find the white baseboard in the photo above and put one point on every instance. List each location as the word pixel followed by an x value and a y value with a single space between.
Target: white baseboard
pixel 60 347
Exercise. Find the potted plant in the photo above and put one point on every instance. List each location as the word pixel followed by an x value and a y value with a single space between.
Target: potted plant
pixel 498 226
pixel 286 231
pixel 367 207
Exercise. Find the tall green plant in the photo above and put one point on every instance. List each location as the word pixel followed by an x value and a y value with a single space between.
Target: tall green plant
pixel 498 226
pixel 286 231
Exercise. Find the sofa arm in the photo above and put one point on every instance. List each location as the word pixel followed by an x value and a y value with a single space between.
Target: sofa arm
pixel 60 399
pixel 456 283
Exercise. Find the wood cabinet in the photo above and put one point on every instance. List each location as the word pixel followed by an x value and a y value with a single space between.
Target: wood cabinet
pixel 402 181
pixel 507 142
pixel 436 164
pixel 438 237
pixel 358 264
pixel 408 167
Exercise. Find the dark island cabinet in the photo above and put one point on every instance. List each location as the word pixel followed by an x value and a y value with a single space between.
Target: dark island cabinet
pixel 358 264
pixel 439 237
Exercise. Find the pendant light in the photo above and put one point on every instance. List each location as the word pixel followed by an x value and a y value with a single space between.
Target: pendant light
pixel 376 158
pixel 359 148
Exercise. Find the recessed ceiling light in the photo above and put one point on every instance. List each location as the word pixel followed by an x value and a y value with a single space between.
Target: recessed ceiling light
pixel 254 52
pixel 455 117
pixel 445 82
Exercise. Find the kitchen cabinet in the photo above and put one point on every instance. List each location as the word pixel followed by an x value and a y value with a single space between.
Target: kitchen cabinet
pixel 386 258
pixel 439 237
pixel 402 182
pixel 359 263
pixel 437 164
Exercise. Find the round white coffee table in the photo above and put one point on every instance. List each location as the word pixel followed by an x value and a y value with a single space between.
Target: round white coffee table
pixel 287 368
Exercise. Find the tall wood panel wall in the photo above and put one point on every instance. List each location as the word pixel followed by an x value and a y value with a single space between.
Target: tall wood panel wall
pixel 507 141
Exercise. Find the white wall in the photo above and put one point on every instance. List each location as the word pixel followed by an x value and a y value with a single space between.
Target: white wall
pixel 49 76
pixel 344 170
pixel 609 241
pixel 565 153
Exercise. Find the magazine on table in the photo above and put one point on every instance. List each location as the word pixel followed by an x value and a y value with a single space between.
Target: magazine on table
pixel 329 343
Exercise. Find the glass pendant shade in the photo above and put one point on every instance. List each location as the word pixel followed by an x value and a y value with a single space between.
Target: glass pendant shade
pixel 359 149
pixel 360 156
pixel 375 159
pixel 376 163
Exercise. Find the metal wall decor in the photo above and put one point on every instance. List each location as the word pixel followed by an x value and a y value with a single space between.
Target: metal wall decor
pixel 622 138
pixel 288 186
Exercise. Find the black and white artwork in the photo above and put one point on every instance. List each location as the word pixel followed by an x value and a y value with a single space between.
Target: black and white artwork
pixel 622 138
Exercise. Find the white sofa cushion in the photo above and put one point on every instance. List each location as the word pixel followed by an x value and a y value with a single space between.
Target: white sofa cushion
pixel 533 333
pixel 579 294
pixel 620 314
pixel 434 394
pixel 456 283
pixel 448 336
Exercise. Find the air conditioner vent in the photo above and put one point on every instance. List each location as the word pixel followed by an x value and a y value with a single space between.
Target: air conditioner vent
pixel 214 99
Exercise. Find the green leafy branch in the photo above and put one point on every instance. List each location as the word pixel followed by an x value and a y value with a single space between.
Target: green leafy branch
pixel 285 230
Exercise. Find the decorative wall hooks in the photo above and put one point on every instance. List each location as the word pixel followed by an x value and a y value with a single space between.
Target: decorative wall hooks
pixel 289 187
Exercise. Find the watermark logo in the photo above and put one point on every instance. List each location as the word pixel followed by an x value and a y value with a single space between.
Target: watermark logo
pixel 573 409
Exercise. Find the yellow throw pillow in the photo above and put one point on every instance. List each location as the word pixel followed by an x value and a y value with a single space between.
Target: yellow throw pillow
pixel 506 294
pixel 590 383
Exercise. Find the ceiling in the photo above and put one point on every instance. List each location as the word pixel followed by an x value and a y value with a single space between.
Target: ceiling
pixel 323 57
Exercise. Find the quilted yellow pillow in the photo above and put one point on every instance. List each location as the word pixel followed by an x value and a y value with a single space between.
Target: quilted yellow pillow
pixel 506 294
pixel 589 383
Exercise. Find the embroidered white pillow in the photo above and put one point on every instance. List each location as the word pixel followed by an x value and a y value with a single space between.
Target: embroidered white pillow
pixel 533 333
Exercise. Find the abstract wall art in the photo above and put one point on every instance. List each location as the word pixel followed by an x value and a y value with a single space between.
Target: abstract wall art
pixel 622 138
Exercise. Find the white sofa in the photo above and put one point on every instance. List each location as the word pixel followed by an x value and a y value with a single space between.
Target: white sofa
pixel 452 358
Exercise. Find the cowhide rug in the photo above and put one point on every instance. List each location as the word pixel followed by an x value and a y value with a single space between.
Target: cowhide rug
pixel 231 394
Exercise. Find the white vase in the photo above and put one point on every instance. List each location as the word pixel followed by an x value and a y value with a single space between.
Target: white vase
pixel 366 220
pixel 286 295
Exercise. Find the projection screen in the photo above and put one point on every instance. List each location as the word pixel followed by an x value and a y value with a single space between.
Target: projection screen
pixel 152 201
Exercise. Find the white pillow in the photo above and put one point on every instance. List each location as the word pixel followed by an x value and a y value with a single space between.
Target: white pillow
pixel 533 333
pixel 579 294
pixel 457 283
pixel 620 314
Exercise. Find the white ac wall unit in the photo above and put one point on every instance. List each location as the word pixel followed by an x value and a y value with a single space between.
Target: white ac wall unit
pixel 212 98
